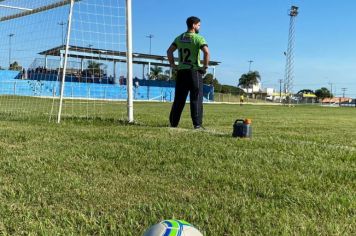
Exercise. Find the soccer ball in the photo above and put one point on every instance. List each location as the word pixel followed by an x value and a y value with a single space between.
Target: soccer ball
pixel 173 228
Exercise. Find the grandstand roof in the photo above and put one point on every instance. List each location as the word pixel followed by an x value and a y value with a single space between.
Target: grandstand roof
pixel 109 55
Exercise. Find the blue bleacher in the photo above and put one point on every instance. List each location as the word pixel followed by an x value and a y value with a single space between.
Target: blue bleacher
pixel 46 85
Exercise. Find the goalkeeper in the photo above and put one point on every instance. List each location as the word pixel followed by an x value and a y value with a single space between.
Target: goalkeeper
pixel 189 73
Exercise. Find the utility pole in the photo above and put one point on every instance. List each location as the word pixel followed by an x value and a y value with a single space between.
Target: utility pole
pixel 280 90
pixel 331 89
pixel 343 91
pixel 249 67
pixel 62 24
pixel 10 36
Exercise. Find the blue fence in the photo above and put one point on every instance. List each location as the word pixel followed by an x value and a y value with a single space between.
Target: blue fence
pixel 46 85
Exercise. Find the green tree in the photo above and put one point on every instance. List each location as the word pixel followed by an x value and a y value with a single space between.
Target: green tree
pixel 156 72
pixel 167 75
pixel 231 89
pixel 304 91
pixel 15 66
pixel 94 68
pixel 216 83
pixel 248 80
pixel 208 79
pixel 323 93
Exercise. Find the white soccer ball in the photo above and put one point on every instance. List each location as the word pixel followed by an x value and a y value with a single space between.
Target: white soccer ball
pixel 173 228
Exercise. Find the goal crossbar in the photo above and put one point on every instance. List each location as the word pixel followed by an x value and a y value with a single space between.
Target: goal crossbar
pixel 27 11
pixel 16 8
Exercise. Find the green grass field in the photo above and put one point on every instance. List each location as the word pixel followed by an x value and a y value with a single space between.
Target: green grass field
pixel 297 176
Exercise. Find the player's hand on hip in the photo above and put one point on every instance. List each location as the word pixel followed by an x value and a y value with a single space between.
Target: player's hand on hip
pixel 202 70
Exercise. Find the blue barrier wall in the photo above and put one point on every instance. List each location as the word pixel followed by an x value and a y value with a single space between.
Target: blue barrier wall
pixel 46 85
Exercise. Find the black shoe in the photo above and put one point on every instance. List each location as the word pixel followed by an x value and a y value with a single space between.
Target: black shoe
pixel 199 127
pixel 173 126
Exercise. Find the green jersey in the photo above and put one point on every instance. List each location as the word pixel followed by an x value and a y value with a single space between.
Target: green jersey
pixel 189 45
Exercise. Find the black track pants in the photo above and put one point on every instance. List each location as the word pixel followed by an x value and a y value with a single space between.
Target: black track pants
pixel 188 81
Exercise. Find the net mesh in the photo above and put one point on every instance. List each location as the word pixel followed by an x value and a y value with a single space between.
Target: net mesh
pixel 32 57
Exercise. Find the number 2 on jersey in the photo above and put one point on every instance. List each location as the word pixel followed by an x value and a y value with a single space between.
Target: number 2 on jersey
pixel 184 54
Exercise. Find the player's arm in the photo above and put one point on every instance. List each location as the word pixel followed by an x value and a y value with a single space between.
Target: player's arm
pixel 206 53
pixel 170 55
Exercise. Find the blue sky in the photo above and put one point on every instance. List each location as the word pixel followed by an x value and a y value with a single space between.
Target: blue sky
pixel 237 31
pixel 242 30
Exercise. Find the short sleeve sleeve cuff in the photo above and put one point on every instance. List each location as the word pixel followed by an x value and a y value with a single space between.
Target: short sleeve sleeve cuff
pixel 204 45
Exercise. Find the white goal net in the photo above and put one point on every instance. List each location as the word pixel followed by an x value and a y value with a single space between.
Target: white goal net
pixel 63 58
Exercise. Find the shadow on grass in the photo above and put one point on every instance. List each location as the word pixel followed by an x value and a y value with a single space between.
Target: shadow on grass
pixel 99 121
pixel 122 122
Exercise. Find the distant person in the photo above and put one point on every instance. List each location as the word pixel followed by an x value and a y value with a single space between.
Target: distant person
pixel 189 72
pixel 23 75
pixel 242 98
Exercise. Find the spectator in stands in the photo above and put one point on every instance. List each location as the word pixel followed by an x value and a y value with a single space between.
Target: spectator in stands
pixel 189 73
pixel 23 74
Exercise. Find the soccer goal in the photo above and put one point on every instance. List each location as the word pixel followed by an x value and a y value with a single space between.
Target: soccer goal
pixel 66 58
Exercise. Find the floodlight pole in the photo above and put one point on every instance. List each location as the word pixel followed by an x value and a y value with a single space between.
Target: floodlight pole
pixel 129 85
pixel 249 67
pixel 10 36
pixel 69 26
pixel 62 24
pixel 289 70
pixel 150 36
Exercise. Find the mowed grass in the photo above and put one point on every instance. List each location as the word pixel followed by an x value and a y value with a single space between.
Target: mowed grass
pixel 296 176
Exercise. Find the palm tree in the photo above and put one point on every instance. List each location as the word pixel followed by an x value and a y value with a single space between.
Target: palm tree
pixel 248 80
pixel 156 71
pixel 167 75
pixel 94 68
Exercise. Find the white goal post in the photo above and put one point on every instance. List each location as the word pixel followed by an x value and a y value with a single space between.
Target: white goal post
pixel 68 58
